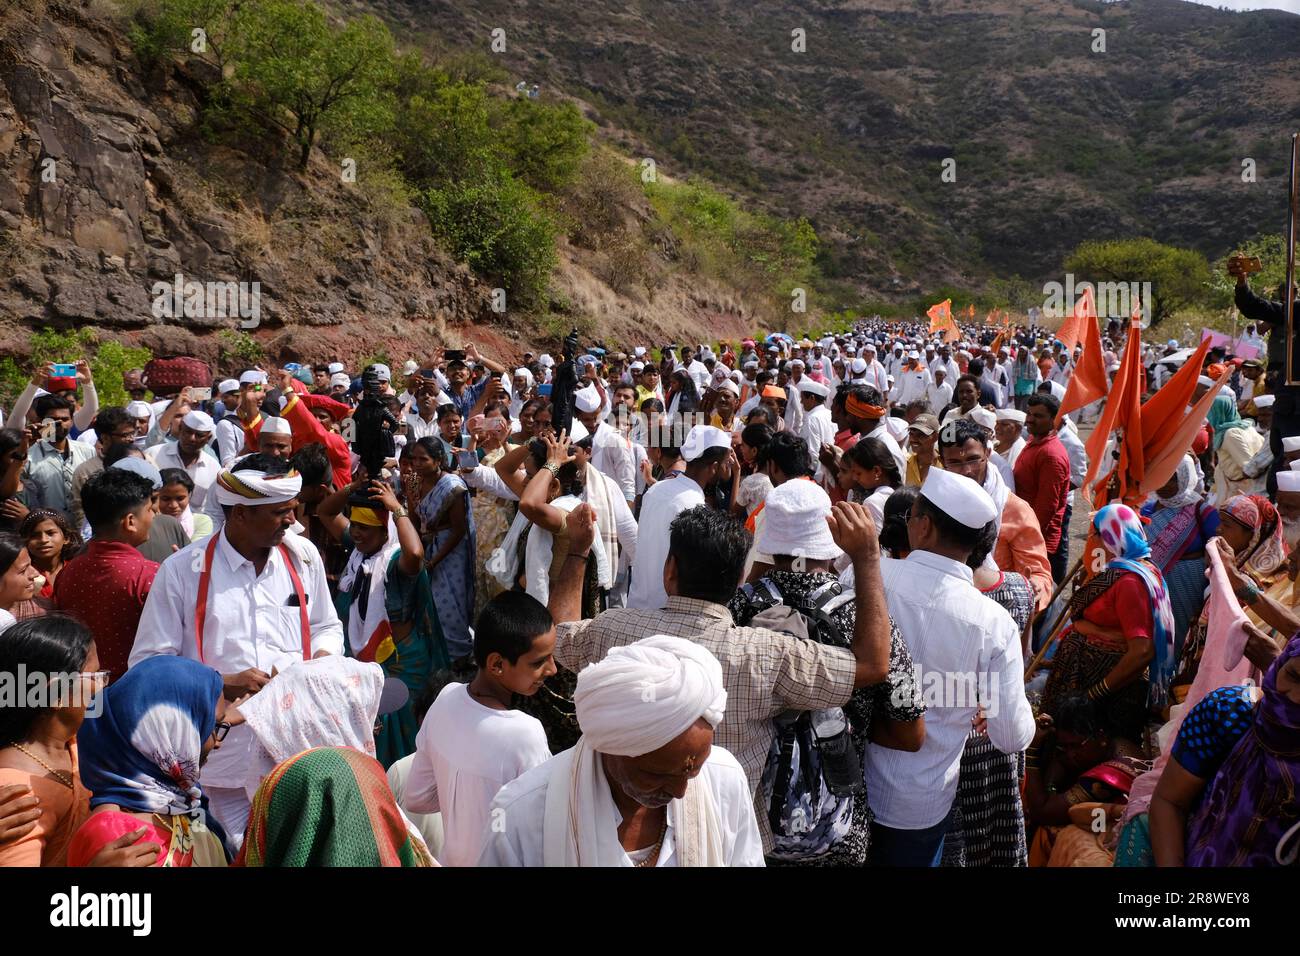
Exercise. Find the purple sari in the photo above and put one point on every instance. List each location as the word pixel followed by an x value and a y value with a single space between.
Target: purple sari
pixel 1252 803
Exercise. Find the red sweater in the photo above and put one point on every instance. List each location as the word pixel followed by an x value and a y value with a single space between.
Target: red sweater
pixel 306 429
pixel 1043 480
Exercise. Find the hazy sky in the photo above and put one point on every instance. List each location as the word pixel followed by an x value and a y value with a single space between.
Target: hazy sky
pixel 1290 6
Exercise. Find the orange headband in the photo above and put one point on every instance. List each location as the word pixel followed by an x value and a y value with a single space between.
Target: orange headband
pixel 860 409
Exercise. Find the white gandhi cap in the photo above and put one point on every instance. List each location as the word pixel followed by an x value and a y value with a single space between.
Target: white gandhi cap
pixel 958 497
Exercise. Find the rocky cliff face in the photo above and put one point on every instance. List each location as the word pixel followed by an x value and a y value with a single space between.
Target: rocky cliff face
pixel 107 187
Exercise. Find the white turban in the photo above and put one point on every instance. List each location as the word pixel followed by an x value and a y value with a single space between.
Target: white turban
pixel 643 695
pixel 253 488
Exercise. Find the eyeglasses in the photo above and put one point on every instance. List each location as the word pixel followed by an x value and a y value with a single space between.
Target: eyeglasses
pixel 98 679
pixel 220 731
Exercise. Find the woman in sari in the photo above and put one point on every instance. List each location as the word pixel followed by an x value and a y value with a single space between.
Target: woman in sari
pixel 1077 771
pixel 330 806
pixel 441 500
pixel 1252 529
pixel 1180 525
pixel 1235 443
pixel 140 759
pixel 385 602
pixel 1119 647
pixel 1227 797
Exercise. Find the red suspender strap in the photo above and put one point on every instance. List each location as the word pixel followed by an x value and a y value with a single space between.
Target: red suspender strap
pixel 302 601
pixel 201 606
pixel 205 580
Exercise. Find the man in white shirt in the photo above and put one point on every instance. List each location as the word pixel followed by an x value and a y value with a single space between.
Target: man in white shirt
pixel 472 743
pixel 644 786
pixel 189 453
pixel 818 428
pixel 248 601
pixel 709 459
pixel 230 430
pixel 967 648
pixel 873 373
pixel 1009 431
pixel 611 450
pixel 945 361
pixel 912 383
pixel 939 392
pixel 422 417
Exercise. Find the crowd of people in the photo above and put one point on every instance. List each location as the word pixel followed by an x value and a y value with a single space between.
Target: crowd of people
pixel 770 602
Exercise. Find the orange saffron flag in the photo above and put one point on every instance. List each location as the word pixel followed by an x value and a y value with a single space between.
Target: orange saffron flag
pixel 941 320
pixel 1122 412
pixel 1088 380
pixel 1085 310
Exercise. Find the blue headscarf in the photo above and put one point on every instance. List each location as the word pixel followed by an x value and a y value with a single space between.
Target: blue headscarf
pixel 142 751
pixel 1121 532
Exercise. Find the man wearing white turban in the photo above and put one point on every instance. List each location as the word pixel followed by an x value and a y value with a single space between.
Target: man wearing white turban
pixel 644 786
pixel 247 601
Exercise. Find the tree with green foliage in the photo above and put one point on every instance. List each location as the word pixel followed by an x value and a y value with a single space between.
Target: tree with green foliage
pixel 498 226
pixel 161 28
pixel 1271 250
pixel 545 143
pixel 1178 276
pixel 287 59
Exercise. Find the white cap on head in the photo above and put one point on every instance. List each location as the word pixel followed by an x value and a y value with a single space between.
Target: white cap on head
pixel 276 426
pixel 727 385
pixel 139 410
pixel 858 367
pixel 701 438
pixel 810 387
pixel 914 355
pixel 1264 401
pixel 1291 444
pixel 232 385
pixel 340 378
pixel 1011 415
pixel 384 373
pixel 794 522
pixel 336 367
pixel 636 366
pixel 798 362
pixel 1288 481
pixel 639 351
pixel 587 399
pixel 199 421
pixel 545 360
pixel 253 377
pixel 411 367
pixel 958 497
pixel 983 417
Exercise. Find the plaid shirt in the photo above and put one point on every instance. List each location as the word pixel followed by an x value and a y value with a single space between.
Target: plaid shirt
pixel 765 672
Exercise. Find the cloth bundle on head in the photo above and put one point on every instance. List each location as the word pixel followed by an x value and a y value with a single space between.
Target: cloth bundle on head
pixel 701 438
pixel 251 487
pixel 139 466
pixel 1122 534
pixel 199 421
pixel 794 522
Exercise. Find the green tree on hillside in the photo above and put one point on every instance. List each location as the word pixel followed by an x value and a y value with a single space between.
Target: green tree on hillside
pixel 287 59
pixel 1177 276
pixel 1271 251
pixel 545 143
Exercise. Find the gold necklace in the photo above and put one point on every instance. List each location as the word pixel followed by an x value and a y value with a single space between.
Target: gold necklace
pixel 63 776
pixel 653 856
